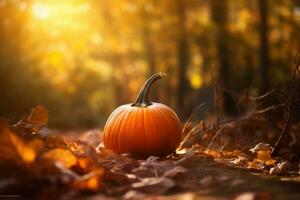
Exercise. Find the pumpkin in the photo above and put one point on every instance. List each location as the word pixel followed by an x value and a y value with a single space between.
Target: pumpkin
pixel 143 128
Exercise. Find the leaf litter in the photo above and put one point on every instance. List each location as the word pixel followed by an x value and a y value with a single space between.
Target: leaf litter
pixel 75 166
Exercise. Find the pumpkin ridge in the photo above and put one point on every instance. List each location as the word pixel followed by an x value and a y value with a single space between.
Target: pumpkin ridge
pixel 170 124
pixel 173 115
pixel 111 123
pixel 149 132
pixel 130 130
pixel 162 126
pixel 133 134
pixel 116 144
pixel 140 136
pixel 175 118
pixel 108 122
pixel 143 129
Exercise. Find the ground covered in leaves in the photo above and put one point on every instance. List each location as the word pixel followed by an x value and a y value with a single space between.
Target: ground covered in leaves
pixel 39 163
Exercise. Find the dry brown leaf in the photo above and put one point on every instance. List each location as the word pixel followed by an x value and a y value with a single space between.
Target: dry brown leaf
pixel 35 121
pixel 262 150
pixel 240 160
pixel 115 162
pixel 84 165
pixel 55 141
pixel 91 137
pixel 231 154
pixel 90 181
pixel 64 156
pixel 154 185
pixel 208 181
pixel 66 174
pixel 153 166
pixel 38 115
pixel 279 168
pixel 212 152
pixel 270 162
pixel 13 148
pixel 256 164
pixel 177 171
pixel 37 145
pixel 264 155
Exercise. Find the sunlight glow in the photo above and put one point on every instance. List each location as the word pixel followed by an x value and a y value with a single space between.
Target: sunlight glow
pixel 40 11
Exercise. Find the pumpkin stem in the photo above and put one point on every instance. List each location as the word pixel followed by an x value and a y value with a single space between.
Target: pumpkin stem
pixel 143 97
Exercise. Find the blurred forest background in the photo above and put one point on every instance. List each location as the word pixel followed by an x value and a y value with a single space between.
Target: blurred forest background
pixel 83 58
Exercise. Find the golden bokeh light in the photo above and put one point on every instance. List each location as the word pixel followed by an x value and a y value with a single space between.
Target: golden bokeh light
pixel 40 11
pixel 92 55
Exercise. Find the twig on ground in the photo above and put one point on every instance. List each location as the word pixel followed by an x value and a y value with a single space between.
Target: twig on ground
pixel 261 97
pixel 294 87
pixel 270 108
pixel 191 132
pixel 188 123
pixel 284 131
pixel 215 136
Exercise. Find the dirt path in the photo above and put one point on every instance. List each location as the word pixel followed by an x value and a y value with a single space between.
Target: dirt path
pixel 219 182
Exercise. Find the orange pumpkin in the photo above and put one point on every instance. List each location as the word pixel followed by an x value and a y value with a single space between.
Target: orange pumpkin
pixel 143 128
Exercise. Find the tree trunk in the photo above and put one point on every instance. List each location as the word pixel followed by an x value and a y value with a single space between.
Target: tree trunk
pixel 219 17
pixel 264 45
pixel 183 60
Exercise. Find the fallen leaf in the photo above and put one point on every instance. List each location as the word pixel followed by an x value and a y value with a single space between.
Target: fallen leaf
pixel 35 121
pixel 64 156
pixel 67 175
pixel 280 168
pixel 231 154
pixel 177 171
pixel 263 151
pixel 186 158
pixel 208 181
pixel 212 152
pixel 91 137
pixel 90 181
pixel 240 160
pixel 260 147
pixel 256 164
pixel 13 148
pixel 264 155
pixel 154 185
pixel 270 162
pixel 153 166
pixel 84 165
pixel 38 115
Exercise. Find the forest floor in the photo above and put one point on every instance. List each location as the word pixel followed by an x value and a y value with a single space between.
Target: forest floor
pixel 232 162
pixel 221 182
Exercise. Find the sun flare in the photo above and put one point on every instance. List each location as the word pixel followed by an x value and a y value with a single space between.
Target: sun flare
pixel 40 11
